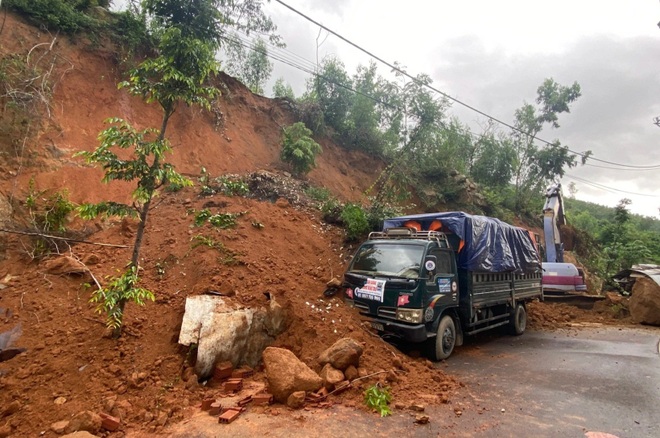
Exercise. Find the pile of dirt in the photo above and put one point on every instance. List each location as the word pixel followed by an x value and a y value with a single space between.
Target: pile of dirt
pixel 70 366
pixel 551 316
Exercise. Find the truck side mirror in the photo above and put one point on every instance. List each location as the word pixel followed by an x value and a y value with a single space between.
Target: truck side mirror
pixel 430 264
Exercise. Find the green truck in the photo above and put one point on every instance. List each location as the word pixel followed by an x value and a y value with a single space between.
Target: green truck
pixel 433 278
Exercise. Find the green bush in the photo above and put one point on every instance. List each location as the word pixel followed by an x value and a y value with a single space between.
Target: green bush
pixel 355 221
pixel 298 148
pixel 66 15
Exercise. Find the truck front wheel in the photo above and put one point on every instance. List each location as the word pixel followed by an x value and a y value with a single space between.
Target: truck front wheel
pixel 443 344
pixel 518 321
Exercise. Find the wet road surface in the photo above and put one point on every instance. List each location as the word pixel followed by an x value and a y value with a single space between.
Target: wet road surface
pixel 565 383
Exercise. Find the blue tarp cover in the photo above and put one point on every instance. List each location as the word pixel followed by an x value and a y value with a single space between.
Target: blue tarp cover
pixel 490 244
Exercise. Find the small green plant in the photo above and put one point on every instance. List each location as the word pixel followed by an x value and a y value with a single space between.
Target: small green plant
pixel 232 187
pixel 200 240
pixel 112 298
pixel 227 185
pixel 218 220
pixel 48 212
pixel 318 194
pixel 355 221
pixel 378 399
pixel 298 148
pixel 227 256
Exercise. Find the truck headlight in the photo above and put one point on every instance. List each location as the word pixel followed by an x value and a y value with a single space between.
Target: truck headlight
pixel 410 315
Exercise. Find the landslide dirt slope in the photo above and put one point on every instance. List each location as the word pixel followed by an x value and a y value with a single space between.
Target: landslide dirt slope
pixel 69 365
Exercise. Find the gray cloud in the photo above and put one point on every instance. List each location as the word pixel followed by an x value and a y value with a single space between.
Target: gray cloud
pixel 620 84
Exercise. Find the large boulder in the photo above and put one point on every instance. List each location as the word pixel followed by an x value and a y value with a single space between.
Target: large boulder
pixel 223 332
pixel 644 303
pixel 342 354
pixel 286 374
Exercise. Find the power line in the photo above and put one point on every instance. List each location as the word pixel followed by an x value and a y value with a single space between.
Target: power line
pixel 453 99
pixel 603 187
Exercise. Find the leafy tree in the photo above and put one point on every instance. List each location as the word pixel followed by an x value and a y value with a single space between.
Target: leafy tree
pixel 299 149
pixel 187 35
pixel 622 246
pixel 535 167
pixel 361 130
pixel 252 68
pixel 331 88
pixel 283 90
pixel 493 166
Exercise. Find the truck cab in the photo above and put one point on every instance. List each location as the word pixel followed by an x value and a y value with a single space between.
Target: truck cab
pixel 404 279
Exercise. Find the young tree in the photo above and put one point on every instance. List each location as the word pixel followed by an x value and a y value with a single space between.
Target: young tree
pixel 188 33
pixel 299 149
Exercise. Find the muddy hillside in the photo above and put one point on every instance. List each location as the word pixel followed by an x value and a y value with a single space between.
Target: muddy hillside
pixel 276 248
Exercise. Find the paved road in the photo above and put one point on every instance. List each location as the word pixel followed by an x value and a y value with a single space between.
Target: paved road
pixel 566 383
pixel 561 384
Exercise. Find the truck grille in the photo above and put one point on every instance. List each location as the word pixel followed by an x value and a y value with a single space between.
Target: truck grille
pixel 362 307
pixel 387 312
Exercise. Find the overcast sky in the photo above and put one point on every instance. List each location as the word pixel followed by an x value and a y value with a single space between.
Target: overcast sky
pixel 494 54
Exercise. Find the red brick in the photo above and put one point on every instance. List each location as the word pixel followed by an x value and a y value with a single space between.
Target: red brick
pixel 242 373
pixel 234 385
pixel 245 401
pixel 206 403
pixel 108 422
pixel 223 370
pixel 215 408
pixel 228 416
pixel 263 399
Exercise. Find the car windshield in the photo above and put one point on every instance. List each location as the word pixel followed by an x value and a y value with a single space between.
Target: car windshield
pixel 396 260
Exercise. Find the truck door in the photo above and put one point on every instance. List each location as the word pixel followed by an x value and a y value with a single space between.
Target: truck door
pixel 442 281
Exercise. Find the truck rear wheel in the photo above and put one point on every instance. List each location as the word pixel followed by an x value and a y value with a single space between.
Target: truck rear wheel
pixel 443 344
pixel 518 321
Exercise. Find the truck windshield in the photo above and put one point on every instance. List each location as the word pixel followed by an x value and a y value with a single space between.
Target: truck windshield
pixel 395 260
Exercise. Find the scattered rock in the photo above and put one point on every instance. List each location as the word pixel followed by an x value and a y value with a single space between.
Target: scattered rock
pixel 351 373
pixel 392 377
pixel 84 421
pixel 296 400
pixel 11 409
pixel 335 282
pixel 417 408
pixel 59 427
pixel 421 419
pixel 331 376
pixel 645 302
pixel 342 354
pixel 80 434
pixel 91 259
pixel 64 265
pixel 286 374
pixel 59 401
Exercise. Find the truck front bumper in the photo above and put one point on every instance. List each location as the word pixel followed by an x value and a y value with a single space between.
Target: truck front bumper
pixel 409 332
